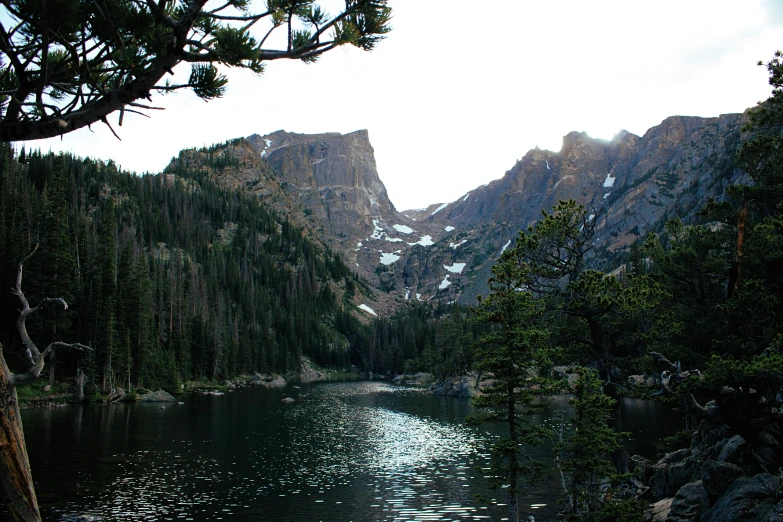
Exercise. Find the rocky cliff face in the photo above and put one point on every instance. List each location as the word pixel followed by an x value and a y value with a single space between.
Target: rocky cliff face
pixel 632 184
pixel 328 184
pixel 332 175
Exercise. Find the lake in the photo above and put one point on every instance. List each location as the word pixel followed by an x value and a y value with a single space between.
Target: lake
pixel 343 451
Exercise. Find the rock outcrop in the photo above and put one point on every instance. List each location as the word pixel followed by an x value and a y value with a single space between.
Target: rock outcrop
pixel 158 396
pixel 718 479
pixel 416 379
pixel 268 381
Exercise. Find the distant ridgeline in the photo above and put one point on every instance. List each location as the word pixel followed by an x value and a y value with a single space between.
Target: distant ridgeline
pixel 168 277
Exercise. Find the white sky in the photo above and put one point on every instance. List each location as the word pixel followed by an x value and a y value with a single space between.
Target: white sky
pixel 457 92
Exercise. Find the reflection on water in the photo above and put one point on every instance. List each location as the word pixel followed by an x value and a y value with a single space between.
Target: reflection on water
pixel 343 451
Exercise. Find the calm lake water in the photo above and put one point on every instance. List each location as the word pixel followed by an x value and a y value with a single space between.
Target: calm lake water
pixel 347 451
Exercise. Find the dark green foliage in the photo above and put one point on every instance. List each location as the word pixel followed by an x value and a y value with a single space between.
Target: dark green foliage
pixel 584 456
pixel 513 345
pixel 71 63
pixel 154 283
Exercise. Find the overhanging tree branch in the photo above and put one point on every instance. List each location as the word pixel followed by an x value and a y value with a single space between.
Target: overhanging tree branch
pixel 70 68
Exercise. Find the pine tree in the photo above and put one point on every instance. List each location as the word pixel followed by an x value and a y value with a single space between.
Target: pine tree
pixel 514 342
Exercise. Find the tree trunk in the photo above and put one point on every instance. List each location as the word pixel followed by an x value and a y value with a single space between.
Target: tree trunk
pixel 15 476
pixel 80 385
pixel 52 362
pixel 513 475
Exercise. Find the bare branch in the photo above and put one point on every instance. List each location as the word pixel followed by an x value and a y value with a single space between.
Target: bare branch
pixel 664 362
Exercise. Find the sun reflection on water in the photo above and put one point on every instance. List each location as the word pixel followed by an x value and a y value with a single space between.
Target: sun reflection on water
pixel 343 451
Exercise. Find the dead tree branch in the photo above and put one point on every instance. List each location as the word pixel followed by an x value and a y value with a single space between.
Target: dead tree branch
pixel 15 477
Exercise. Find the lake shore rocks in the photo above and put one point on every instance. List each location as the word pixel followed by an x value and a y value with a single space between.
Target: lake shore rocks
pixel 416 379
pixel 463 386
pixel 718 479
pixel 157 396
pixel 268 381
pixel 309 374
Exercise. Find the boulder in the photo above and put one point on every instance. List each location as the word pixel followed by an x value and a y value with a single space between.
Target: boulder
pixel 642 468
pixel 287 400
pixel 685 471
pixel 776 515
pixel 417 379
pixel 659 511
pixel 689 502
pixel 269 381
pixel 718 476
pixel 747 500
pixel 658 480
pixel 47 388
pixel 733 449
pixel 158 396
pixel 309 374
pixel 673 471
pixel 454 387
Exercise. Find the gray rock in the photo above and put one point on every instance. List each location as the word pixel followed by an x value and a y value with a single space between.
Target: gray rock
pixel 718 476
pixel 455 387
pixel 689 502
pixel 776 515
pixel 158 396
pixel 732 451
pixel 287 400
pixel 642 468
pixel 47 388
pixel 676 456
pixel 685 471
pixel 747 500
pixel 269 381
pixel 417 379
pixel 658 480
pixel 659 511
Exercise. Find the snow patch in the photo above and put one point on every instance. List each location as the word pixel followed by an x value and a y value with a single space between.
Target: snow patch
pixel 368 309
pixel 606 195
pixel 387 259
pixel 418 297
pixel 268 144
pixel 456 268
pixel 448 228
pixel 403 229
pixel 547 165
pixel 439 209
pixel 445 283
pixel 590 217
pixel 455 245
pixel 407 294
pixel 359 244
pixel 424 241
pixel 506 246
pixel 377 232
pixel 393 239
pixel 609 181
pixel 466 197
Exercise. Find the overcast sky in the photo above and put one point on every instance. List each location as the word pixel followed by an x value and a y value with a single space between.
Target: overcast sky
pixel 460 89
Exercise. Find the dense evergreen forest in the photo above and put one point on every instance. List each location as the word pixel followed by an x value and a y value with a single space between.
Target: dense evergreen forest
pixel 167 277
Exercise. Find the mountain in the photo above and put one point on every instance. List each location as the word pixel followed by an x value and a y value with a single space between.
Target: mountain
pixel 632 184
pixel 328 184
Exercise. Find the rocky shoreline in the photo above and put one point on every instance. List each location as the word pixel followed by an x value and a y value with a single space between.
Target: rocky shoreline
pixel 719 478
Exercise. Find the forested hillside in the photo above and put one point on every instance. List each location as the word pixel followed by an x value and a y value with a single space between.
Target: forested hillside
pixel 168 277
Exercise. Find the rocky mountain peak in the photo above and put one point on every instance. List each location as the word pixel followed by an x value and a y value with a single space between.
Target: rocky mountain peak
pixel 631 184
